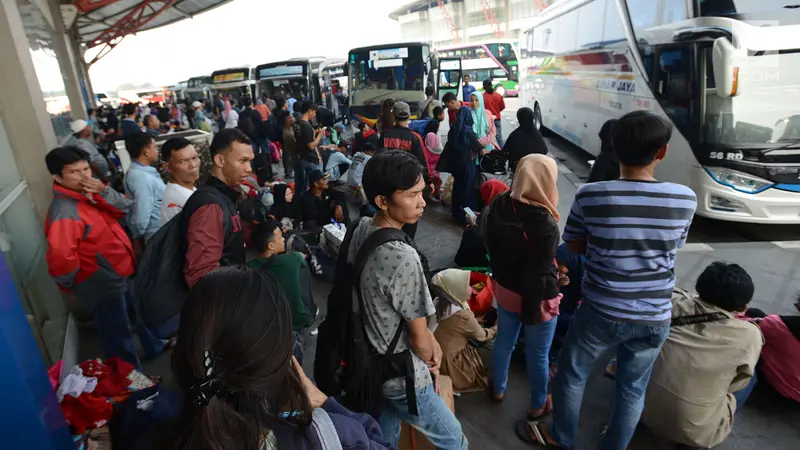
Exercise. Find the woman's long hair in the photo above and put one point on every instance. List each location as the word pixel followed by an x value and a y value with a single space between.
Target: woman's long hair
pixel 386 118
pixel 242 319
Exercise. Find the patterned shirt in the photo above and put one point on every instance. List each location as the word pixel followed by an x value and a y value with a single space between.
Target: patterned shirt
pixel 394 290
pixel 633 230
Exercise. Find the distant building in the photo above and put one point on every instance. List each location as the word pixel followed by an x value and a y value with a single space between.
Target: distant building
pixel 467 21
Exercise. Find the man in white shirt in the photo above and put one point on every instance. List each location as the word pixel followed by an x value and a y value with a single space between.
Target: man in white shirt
pixel 183 164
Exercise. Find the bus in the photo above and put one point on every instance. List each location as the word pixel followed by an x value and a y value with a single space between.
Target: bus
pixel 198 90
pixel 729 84
pixel 177 93
pixel 298 77
pixel 235 83
pixel 496 61
pixel 398 71
pixel 333 85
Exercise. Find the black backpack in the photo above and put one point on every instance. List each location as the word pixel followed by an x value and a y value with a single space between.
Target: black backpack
pixel 345 360
pixel 159 289
pixel 246 124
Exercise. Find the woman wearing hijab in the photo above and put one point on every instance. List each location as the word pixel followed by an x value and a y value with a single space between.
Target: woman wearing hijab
pixel 433 150
pixel 458 159
pixel 229 115
pixel 283 197
pixel 483 123
pixel 606 166
pixel 262 109
pixel 456 326
pixel 522 235
pixel 525 140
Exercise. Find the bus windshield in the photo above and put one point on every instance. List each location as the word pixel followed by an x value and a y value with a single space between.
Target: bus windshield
pixel 278 80
pixel 398 73
pixel 766 112
pixel 779 11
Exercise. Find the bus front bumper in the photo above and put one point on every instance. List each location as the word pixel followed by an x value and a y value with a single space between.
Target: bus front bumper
pixel 774 205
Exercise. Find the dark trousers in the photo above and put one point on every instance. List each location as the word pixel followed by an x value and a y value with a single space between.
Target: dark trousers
pixel 114 331
pixel 464 192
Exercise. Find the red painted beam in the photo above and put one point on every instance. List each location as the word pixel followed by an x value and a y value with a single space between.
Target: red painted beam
pixel 86 6
pixel 132 22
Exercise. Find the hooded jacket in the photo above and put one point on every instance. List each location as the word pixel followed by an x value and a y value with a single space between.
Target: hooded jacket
pixel 522 248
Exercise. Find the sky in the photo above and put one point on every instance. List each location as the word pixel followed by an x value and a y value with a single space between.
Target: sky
pixel 246 32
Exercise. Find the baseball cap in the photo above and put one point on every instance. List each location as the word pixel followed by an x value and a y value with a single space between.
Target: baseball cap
pixel 196 104
pixel 318 175
pixel 401 111
pixel 78 125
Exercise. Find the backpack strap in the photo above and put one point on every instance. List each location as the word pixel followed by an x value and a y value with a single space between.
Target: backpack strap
pixel 323 426
pixel 697 318
pixel 373 241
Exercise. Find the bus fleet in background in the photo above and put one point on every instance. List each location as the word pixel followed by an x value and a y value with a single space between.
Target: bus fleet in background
pixel 726 74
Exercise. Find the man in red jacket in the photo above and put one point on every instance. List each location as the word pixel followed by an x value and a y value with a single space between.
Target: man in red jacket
pixel 89 254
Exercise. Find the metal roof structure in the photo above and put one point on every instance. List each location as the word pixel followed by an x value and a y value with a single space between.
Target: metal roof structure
pixel 106 22
pixel 417 6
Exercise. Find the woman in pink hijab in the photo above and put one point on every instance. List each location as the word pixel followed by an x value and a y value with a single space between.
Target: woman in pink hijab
pixel 229 115
pixel 522 235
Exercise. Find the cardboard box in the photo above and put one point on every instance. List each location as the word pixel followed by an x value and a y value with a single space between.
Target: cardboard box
pixel 413 439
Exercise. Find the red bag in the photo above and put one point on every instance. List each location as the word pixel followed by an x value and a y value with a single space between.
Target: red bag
pixel 480 302
pixel 275 152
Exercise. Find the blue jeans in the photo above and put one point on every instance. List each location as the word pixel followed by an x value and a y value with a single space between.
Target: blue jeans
pixel 537 348
pixel 302 175
pixel 435 420
pixel 114 330
pixel 153 340
pixel 589 336
pixel 498 125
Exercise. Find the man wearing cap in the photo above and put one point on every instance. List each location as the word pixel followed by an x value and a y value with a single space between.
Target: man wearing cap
pixel 317 206
pixel 83 138
pixel 400 137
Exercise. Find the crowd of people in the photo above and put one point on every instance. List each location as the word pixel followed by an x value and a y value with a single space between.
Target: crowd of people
pixel 685 362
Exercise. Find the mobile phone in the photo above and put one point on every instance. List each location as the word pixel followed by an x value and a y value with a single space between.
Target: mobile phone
pixel 471 213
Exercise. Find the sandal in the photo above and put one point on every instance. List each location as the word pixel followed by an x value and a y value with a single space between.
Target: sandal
pixel 544 411
pixel 535 433
pixel 494 397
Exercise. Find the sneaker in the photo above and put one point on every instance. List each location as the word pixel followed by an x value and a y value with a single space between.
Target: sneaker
pixel 314 332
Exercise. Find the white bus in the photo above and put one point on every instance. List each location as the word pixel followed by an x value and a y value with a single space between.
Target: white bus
pixel 726 73
pixel 236 83
pixel 495 61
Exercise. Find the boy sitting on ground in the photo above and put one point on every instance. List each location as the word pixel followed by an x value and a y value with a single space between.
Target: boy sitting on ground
pixel 706 368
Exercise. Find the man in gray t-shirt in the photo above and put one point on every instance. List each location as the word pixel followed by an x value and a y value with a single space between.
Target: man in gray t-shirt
pixel 395 294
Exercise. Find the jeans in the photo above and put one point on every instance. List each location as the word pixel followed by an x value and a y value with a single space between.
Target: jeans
pixel 153 339
pixel 537 349
pixel 435 420
pixel 498 124
pixel 589 336
pixel 302 175
pixel 114 330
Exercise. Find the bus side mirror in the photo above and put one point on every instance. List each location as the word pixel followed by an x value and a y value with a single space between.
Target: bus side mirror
pixel 726 68
pixel 435 61
pixel 347 70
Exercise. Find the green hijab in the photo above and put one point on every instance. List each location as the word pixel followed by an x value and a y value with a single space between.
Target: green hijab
pixel 481 123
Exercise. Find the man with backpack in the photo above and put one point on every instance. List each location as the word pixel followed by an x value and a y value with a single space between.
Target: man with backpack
pixel 378 313
pixel 210 220
pixel 251 124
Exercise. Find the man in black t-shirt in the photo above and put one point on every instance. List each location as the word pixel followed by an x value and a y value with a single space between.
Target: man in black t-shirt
pixel 318 206
pixel 307 142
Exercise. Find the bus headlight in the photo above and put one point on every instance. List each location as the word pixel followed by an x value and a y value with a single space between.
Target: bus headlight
pixel 516 87
pixel 740 181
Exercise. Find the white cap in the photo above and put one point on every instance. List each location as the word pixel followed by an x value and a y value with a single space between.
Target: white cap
pixel 196 104
pixel 78 126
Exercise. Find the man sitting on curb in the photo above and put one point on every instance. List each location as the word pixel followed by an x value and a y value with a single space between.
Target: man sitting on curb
pixel 706 368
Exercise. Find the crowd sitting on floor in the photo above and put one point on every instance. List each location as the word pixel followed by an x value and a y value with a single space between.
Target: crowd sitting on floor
pixel 166 260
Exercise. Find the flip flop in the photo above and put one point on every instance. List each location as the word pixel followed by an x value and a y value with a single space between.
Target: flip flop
pixel 545 411
pixel 535 433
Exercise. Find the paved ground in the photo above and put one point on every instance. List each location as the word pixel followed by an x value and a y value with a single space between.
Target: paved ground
pixel 770 254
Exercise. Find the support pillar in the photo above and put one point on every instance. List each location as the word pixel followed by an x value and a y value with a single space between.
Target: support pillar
pixel 67 63
pixel 22 108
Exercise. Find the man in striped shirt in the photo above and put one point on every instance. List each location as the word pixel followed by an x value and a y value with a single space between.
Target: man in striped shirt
pixel 630 231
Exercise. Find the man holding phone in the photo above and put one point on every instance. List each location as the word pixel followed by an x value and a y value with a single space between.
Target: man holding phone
pixel 307 142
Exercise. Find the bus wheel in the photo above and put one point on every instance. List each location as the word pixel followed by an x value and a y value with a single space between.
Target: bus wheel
pixel 537 121
pixel 500 90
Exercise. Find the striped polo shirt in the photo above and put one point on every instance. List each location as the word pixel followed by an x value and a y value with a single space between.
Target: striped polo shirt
pixel 633 230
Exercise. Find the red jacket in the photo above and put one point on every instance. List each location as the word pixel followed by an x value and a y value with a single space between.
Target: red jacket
pixel 494 103
pixel 88 250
